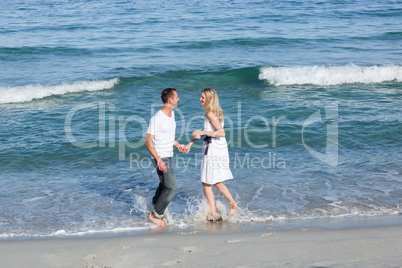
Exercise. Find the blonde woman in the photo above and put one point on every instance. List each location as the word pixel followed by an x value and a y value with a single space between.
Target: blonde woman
pixel 215 161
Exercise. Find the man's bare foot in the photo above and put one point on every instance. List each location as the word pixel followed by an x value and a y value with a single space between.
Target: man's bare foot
pixel 233 207
pixel 156 220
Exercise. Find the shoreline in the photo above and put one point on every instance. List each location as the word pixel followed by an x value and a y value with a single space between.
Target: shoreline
pixel 217 244
pixel 330 223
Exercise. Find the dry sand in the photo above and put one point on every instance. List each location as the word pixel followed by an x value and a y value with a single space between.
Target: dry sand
pixel 302 247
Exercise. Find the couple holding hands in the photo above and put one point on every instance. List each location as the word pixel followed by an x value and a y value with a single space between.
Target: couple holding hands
pixel 215 160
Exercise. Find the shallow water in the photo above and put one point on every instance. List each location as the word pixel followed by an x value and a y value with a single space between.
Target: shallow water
pixel 311 94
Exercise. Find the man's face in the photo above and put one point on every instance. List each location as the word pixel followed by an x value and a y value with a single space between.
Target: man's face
pixel 174 99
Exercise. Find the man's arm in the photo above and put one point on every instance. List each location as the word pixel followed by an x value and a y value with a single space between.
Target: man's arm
pixel 151 148
pixel 180 147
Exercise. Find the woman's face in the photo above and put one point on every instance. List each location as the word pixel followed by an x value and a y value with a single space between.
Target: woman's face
pixel 203 98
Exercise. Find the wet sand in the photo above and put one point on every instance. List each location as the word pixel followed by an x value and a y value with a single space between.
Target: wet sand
pixel 267 247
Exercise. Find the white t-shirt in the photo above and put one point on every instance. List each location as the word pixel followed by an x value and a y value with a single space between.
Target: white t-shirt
pixel 163 128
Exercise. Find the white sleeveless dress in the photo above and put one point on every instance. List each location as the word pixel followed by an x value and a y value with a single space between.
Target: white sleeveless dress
pixel 215 158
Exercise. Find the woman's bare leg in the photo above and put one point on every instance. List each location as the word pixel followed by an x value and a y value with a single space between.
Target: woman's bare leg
pixel 225 191
pixel 209 194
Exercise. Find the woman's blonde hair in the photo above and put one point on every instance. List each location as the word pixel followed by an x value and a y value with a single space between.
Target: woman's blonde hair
pixel 212 103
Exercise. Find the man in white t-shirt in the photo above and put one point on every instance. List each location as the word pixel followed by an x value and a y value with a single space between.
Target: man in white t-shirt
pixel 160 140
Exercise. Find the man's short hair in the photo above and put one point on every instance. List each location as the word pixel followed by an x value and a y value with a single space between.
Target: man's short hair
pixel 166 94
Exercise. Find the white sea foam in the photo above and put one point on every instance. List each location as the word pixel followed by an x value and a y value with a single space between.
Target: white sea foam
pixel 196 211
pixel 64 233
pixel 331 75
pixel 140 204
pixel 31 92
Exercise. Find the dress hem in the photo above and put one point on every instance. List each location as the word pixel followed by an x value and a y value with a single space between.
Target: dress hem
pixel 216 181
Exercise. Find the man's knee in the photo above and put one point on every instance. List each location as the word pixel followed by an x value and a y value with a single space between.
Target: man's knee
pixel 171 192
pixel 174 188
pixel 171 187
pixel 171 184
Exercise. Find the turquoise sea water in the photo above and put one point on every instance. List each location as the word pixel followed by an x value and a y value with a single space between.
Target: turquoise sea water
pixel 311 92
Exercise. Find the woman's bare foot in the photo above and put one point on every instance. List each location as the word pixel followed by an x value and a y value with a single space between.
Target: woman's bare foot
pixel 156 220
pixel 214 217
pixel 233 207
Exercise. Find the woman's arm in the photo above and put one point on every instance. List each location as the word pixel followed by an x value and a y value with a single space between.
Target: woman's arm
pixel 196 138
pixel 214 120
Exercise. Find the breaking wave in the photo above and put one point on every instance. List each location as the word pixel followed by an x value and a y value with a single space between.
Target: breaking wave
pixel 31 92
pixel 330 75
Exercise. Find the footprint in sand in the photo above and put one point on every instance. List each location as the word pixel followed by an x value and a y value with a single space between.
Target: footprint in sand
pixel 233 241
pixel 190 249
pixel 88 259
pixel 124 246
pixel 267 234
pixel 170 263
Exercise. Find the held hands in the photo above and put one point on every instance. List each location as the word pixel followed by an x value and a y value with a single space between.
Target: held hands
pixel 184 148
pixel 188 147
